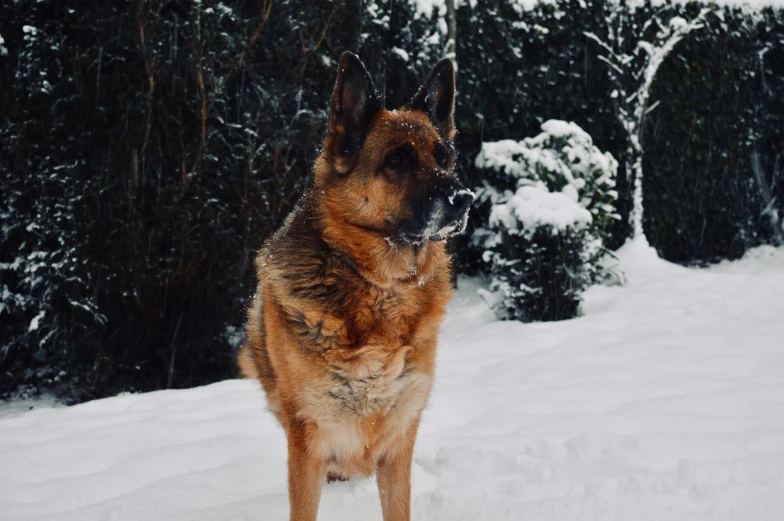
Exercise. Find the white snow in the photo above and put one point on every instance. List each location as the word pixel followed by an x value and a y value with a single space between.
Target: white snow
pixel 665 401
pixel 523 158
pixel 425 7
pixel 35 321
pixel 533 205
pixel 756 4
pixel 501 155
pixel 23 405
pixel 562 157
pixel 401 52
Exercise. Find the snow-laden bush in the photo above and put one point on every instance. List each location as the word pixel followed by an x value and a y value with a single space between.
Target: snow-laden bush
pixel 564 158
pixel 549 204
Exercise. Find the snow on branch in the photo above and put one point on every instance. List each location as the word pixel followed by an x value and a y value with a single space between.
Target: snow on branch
pixel 632 74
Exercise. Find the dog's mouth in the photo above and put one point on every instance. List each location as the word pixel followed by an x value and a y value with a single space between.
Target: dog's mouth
pixel 432 234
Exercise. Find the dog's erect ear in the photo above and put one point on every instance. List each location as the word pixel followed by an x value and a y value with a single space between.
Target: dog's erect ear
pixel 354 104
pixel 436 97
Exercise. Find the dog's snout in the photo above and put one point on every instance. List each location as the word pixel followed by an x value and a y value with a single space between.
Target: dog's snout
pixel 461 200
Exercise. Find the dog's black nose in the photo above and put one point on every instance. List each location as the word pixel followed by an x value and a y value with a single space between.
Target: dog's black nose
pixel 461 200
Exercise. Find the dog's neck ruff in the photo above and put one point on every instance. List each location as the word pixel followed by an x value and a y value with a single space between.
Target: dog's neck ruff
pixel 369 252
pixel 372 277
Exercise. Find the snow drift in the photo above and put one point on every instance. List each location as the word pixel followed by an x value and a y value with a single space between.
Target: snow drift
pixel 664 401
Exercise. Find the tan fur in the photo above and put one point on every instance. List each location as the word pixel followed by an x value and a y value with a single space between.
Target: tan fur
pixel 342 331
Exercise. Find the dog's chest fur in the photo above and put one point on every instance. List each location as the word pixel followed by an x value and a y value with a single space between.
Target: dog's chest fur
pixel 368 395
pixel 368 379
pixel 389 314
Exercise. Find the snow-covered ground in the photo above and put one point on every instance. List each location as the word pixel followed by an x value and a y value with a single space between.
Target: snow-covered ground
pixel 664 401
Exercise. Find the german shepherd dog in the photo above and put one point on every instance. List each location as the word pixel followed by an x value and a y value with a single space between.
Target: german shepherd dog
pixel 352 290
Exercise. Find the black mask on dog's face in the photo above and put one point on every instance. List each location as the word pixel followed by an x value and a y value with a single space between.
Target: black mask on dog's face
pixel 440 210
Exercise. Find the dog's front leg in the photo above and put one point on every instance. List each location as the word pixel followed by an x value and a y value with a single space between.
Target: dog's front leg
pixel 394 478
pixel 306 474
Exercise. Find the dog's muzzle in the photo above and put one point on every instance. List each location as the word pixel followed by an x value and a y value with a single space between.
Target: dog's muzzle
pixel 442 213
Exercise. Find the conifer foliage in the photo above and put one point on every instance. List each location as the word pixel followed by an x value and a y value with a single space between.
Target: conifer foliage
pixel 148 149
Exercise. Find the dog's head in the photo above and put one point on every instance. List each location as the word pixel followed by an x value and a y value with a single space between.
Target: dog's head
pixel 391 173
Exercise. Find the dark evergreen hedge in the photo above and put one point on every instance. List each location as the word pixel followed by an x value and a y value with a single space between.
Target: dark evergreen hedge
pixel 148 147
pixel 721 118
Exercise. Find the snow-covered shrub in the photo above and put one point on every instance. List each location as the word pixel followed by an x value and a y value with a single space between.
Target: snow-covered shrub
pixel 549 204
pixel 564 158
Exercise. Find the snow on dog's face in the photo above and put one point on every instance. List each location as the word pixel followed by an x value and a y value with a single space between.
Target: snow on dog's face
pixel 392 172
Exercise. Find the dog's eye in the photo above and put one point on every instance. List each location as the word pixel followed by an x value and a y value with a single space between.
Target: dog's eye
pixel 442 158
pixel 394 159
